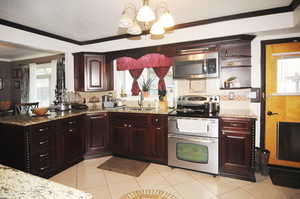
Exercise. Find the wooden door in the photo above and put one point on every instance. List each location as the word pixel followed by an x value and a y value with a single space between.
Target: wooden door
pixel 281 106
pixel 235 151
pixel 138 142
pixel 96 134
pixel 94 72
pixel 72 146
pixel 120 137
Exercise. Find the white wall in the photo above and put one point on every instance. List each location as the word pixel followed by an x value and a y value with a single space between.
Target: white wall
pixel 13 35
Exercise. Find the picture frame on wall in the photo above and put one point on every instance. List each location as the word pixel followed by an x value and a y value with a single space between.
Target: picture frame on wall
pixel 17 84
pixel 16 73
pixel 1 84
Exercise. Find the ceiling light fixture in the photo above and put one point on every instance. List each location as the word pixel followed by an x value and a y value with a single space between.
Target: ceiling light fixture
pixel 145 18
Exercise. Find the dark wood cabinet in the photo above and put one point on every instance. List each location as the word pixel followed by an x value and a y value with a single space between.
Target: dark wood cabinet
pixel 42 149
pixel 92 73
pixel 96 135
pixel 140 136
pixel 237 137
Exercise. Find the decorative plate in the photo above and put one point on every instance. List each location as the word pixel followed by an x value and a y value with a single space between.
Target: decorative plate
pixel 148 194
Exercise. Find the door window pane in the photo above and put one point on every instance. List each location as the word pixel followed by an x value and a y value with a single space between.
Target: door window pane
pixel 288 75
pixel 192 152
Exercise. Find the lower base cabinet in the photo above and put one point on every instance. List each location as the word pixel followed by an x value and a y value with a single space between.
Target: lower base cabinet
pixel 139 136
pixel 237 138
pixel 96 135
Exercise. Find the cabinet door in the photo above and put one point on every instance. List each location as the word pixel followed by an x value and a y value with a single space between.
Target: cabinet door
pixel 94 72
pixel 139 142
pixel 96 134
pixel 120 137
pixel 235 152
pixel 72 146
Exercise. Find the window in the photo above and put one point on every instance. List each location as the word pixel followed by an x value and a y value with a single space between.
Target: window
pixel 288 75
pixel 42 83
pixel 123 81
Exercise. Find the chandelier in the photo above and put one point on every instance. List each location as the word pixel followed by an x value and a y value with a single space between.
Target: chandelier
pixel 146 19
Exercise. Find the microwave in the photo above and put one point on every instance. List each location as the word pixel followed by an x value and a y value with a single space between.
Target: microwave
pixel 196 66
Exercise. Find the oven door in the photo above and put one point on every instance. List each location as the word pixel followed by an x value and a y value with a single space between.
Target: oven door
pixel 191 152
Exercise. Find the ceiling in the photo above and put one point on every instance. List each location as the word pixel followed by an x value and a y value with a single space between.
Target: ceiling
pixel 13 52
pixel 84 20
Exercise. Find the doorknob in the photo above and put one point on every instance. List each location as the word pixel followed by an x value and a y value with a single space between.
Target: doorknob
pixel 271 113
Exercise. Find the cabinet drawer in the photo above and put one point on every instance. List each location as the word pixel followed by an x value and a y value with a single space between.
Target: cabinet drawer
pixel 41 131
pixel 70 122
pixel 236 124
pixel 42 163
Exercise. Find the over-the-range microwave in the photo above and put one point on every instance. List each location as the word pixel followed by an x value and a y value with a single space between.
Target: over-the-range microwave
pixel 196 66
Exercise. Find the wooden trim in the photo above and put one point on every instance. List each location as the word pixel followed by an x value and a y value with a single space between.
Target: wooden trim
pixel 293 5
pixel 263 45
pixel 37 31
pixel 39 60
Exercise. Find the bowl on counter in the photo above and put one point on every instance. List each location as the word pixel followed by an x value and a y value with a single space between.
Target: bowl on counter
pixel 5 105
pixel 40 111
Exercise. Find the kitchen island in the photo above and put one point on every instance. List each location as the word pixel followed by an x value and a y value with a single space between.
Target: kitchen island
pixel 17 184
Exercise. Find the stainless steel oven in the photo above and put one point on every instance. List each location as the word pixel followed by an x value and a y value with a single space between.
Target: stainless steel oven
pixel 193 143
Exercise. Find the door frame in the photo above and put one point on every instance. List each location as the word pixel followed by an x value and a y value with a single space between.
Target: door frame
pixel 263 45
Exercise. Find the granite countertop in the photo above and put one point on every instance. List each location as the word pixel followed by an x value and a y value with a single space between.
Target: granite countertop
pixel 16 184
pixel 27 120
pixel 237 113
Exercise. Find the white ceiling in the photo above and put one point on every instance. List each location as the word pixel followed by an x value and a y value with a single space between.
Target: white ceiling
pixel 93 19
pixel 13 52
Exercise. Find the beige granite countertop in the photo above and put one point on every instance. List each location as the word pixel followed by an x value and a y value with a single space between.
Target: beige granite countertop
pixel 15 184
pixel 27 120
pixel 237 113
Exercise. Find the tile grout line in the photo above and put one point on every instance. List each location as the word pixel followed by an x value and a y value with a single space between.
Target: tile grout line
pixel 107 185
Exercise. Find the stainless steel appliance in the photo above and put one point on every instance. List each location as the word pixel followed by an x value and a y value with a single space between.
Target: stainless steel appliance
pixel 193 135
pixel 196 66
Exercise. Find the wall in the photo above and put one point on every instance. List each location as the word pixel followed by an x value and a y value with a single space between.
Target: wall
pixel 5 73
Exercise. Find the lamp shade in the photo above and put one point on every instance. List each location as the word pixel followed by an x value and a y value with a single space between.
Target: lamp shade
pixel 157 29
pixel 145 14
pixel 135 29
pixel 125 21
pixel 167 20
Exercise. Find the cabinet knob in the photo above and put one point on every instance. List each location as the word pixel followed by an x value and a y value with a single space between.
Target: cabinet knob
pixel 156 120
pixel 125 125
pixel 129 125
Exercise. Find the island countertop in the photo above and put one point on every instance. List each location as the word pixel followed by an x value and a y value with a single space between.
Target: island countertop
pixel 17 184
pixel 27 120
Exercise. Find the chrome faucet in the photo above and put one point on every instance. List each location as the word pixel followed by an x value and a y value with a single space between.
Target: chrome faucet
pixel 141 100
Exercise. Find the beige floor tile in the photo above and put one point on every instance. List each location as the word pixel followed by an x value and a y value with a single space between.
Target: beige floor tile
pixel 264 190
pixel 98 193
pixel 193 190
pixel 117 190
pixel 92 179
pixel 218 188
pixel 288 192
pixel 296 196
pixel 238 194
pixel 161 168
pixel 151 181
pixel 177 177
pixel 171 190
pixel 113 178
pixel 67 177
pixel 93 162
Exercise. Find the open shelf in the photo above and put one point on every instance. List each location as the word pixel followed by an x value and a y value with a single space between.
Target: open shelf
pixel 234 88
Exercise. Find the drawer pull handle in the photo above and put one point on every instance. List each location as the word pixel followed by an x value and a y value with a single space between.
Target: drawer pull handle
pixel 125 125
pixel 157 128
pixel 70 130
pixel 43 168
pixel 43 129
pixel 72 122
pixel 232 124
pixel 44 142
pixel 44 155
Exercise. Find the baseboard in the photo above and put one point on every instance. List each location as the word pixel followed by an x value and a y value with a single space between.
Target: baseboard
pixel 240 177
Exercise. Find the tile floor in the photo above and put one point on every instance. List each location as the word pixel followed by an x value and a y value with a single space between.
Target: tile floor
pixel 182 183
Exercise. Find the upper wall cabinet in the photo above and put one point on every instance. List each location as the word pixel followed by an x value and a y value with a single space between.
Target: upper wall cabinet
pixel 92 73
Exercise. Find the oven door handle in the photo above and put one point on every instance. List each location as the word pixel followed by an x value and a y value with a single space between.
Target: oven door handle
pixel 210 140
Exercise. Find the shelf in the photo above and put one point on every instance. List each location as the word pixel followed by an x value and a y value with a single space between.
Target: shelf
pixel 235 88
pixel 238 66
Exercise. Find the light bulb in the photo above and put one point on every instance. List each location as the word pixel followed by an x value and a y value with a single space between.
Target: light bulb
pixel 167 20
pixel 157 29
pixel 145 14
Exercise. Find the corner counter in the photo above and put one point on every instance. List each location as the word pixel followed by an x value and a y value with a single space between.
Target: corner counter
pixel 237 114
pixel 17 184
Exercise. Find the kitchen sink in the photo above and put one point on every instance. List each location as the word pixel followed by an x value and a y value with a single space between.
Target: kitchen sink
pixel 139 108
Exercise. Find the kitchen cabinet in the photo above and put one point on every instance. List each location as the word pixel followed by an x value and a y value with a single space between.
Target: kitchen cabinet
pixel 42 149
pixel 96 135
pixel 92 73
pixel 140 136
pixel 237 138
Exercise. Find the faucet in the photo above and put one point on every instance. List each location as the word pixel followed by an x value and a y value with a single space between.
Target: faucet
pixel 141 100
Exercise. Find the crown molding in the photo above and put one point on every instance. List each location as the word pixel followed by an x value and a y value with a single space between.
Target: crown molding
pixel 293 5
